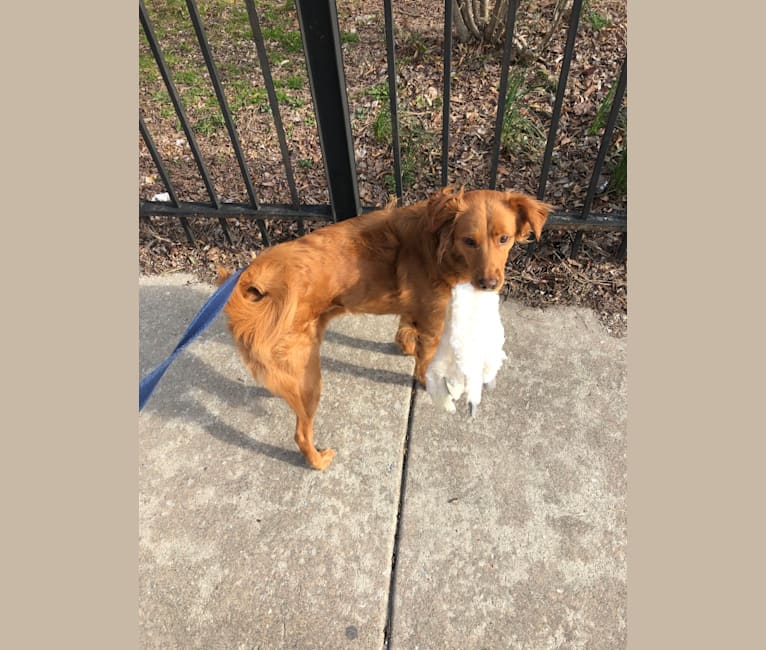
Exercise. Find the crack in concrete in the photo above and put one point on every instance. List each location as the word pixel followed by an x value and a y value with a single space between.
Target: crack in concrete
pixel 388 628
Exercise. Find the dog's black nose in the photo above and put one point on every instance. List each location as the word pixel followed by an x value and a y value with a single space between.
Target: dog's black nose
pixel 488 283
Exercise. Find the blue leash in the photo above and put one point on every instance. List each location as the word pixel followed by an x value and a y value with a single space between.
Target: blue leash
pixel 203 318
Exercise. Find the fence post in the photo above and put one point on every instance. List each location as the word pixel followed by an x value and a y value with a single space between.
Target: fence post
pixel 318 21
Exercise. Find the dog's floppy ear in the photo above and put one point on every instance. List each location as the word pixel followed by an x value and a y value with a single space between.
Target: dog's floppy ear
pixel 443 207
pixel 531 215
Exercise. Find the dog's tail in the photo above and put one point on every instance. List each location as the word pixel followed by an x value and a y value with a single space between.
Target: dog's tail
pixel 262 306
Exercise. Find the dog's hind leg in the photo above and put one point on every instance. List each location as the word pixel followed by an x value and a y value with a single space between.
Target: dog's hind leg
pixel 301 389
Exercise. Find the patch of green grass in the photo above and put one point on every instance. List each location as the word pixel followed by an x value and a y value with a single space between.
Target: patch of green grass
pixel 225 18
pixel 147 68
pixel 162 99
pixel 408 175
pixel 595 19
pixel 414 140
pixel 191 78
pixel 602 113
pixel 276 12
pixel 166 12
pixel 243 94
pixel 349 37
pixel 379 92
pixel 381 126
pixel 289 99
pixel 521 131
pixel 224 22
pixel 618 180
pixel 210 124
pixel 305 163
pixel 295 82
pixel 287 40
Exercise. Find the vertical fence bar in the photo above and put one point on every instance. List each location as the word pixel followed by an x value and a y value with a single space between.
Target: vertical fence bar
pixel 318 21
pixel 164 176
pixel 177 105
pixel 622 251
pixel 157 163
pixel 227 118
pixel 447 88
pixel 263 60
pixel 148 140
pixel 510 21
pixel 392 96
pixel 606 141
pixel 574 20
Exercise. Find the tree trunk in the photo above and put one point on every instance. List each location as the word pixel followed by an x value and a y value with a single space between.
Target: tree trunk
pixel 479 20
pixel 484 21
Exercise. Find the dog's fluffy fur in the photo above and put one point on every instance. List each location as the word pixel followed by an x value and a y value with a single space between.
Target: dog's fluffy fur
pixel 399 260
pixel 470 351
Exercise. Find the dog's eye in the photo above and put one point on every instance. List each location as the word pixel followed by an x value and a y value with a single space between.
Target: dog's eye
pixel 470 241
pixel 504 239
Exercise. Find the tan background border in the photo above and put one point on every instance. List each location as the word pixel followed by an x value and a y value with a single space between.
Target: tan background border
pixel 70 327
pixel 695 278
pixel 695 333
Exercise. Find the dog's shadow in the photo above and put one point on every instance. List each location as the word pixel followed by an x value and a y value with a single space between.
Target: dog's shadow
pixel 164 314
pixel 362 344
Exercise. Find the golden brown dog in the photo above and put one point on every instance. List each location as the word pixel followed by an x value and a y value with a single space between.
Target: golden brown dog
pixel 401 261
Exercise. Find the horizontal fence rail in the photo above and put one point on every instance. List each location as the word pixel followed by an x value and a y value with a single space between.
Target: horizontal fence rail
pixel 616 221
pixel 321 44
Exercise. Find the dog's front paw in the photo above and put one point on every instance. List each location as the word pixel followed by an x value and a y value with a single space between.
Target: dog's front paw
pixel 420 374
pixel 322 459
pixel 407 337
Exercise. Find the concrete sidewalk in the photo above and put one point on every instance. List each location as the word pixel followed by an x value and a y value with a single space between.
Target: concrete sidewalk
pixel 513 525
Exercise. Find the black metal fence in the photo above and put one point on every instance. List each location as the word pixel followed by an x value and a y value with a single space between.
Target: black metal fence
pixel 321 41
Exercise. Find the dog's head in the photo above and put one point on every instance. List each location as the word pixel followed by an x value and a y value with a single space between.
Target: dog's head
pixel 475 231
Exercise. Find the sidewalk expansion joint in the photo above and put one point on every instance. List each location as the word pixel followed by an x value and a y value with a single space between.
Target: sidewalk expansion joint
pixel 388 629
